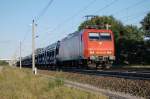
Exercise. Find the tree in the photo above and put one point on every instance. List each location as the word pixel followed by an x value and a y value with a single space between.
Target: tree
pixel 146 24
pixel 132 32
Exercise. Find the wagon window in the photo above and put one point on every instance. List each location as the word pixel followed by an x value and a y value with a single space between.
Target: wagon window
pixel 105 36
pixel 94 36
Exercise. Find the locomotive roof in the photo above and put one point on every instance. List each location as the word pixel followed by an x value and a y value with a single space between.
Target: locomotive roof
pixel 71 35
pixel 51 47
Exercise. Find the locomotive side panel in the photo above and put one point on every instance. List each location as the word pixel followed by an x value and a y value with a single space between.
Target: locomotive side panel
pixel 71 48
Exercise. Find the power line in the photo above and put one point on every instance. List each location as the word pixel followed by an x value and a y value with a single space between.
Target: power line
pixel 130 6
pixel 133 18
pixel 81 10
pixel 38 17
pixel 25 36
pixel 74 15
pixel 6 41
pixel 137 14
pixel 106 6
pixel 44 10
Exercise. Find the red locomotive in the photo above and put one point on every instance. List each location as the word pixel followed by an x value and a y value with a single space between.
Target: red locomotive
pixel 89 46
pixel 83 48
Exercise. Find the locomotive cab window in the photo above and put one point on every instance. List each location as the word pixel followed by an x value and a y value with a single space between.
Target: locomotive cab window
pixel 94 36
pixel 105 36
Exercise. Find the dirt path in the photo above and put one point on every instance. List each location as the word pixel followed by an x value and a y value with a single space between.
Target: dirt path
pixel 1 67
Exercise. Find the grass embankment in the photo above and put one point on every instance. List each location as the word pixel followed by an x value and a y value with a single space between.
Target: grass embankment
pixel 134 87
pixel 22 84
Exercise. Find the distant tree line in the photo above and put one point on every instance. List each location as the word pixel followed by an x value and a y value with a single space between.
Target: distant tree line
pixel 3 62
pixel 129 43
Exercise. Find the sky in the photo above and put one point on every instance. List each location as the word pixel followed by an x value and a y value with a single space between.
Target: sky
pixel 61 18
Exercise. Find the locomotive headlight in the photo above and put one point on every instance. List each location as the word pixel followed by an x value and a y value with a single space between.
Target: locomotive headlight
pixel 91 52
pixel 109 52
pixel 112 57
pixel 92 57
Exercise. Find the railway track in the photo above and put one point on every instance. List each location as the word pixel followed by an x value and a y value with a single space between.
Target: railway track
pixel 143 74
pixel 127 74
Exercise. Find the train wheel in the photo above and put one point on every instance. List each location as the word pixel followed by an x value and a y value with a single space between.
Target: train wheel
pixel 58 66
pixel 103 66
pixel 97 65
pixel 108 66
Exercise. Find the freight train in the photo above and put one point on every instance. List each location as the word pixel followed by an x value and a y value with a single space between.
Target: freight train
pixel 83 48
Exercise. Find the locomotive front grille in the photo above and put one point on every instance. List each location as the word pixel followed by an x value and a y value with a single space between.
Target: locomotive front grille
pixel 102 58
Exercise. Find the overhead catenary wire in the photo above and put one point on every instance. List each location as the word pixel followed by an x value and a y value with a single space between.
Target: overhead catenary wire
pixel 60 25
pixel 6 41
pixel 78 12
pixel 133 18
pixel 129 7
pixel 37 18
pixel 106 6
pixel 43 11
pixel 129 17
pixel 74 15
pixel 103 8
pixel 25 36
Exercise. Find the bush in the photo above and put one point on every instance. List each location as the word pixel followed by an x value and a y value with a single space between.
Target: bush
pixel 55 83
pixel 132 52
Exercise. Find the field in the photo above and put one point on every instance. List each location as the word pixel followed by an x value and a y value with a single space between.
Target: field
pixel 22 84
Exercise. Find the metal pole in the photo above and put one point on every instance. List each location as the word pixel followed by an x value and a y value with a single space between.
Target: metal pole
pixel 107 26
pixel 33 46
pixel 20 56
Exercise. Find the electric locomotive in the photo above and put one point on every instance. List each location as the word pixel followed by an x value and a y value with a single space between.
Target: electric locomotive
pixel 82 48
pixel 89 46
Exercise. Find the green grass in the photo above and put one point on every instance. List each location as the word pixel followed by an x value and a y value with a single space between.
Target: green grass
pixel 22 84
